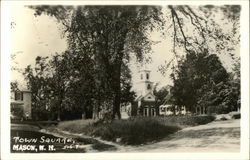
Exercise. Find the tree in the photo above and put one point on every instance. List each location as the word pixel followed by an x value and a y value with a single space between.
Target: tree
pixel 38 82
pixel 196 76
pixel 161 95
pixel 109 34
pixel 14 86
pixel 204 28
pixel 127 95
pixel 206 34
pixel 201 29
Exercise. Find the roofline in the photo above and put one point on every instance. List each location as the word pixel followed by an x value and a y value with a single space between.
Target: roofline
pixel 145 70
pixel 144 81
pixel 23 91
pixel 26 91
pixel 17 102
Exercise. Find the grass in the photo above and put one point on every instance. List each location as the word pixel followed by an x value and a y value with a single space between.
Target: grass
pixel 186 120
pixel 134 131
pixel 75 126
pixel 103 147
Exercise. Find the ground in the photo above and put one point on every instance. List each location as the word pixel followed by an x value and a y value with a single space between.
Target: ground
pixel 217 136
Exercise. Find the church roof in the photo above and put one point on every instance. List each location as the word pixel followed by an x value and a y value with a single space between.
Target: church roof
pixel 141 97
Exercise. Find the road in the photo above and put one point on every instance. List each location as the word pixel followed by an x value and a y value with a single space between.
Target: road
pixel 218 136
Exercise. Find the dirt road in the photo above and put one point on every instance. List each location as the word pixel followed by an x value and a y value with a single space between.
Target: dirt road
pixel 218 136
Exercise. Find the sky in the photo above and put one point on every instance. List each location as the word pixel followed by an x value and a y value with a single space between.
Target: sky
pixel 40 36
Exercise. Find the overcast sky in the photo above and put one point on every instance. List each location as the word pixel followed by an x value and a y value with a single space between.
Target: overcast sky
pixel 40 36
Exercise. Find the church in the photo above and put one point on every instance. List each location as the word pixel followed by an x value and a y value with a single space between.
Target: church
pixel 144 104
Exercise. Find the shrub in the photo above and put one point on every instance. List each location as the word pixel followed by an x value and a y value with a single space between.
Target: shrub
pixel 75 126
pixel 132 131
pixel 223 118
pixel 235 115
pixel 185 120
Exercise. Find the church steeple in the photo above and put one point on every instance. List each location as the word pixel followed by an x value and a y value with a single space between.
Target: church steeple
pixel 145 84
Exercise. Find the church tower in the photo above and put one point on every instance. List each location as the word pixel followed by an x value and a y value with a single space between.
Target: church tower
pixel 145 85
pixel 144 104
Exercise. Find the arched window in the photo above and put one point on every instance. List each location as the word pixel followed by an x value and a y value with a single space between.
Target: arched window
pixel 146 111
pixel 153 112
pixel 141 76
pixel 147 76
pixel 149 86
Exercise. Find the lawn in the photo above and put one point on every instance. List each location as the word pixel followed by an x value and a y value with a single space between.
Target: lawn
pixel 134 131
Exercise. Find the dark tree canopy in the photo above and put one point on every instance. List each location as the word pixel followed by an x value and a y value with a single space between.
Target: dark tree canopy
pixel 195 76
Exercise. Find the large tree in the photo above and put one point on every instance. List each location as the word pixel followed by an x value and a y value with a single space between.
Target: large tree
pixel 107 34
pixel 195 76
pixel 38 80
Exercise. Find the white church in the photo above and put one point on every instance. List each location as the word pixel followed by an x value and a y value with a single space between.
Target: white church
pixel 144 103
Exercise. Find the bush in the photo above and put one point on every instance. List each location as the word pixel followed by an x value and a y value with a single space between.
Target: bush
pixel 235 115
pixel 220 109
pixel 223 118
pixel 75 126
pixel 186 120
pixel 132 131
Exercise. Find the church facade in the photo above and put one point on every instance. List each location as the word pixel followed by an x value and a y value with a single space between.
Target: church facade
pixel 144 104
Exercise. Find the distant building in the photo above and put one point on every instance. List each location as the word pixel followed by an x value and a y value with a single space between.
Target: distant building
pixel 167 108
pixel 144 104
pixel 21 104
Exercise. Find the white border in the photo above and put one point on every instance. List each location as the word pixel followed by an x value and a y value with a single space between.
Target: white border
pixel 5 87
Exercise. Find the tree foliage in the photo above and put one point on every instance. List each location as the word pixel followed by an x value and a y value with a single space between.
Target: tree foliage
pixel 202 81
pixel 107 35
pixel 205 28
pixel 162 95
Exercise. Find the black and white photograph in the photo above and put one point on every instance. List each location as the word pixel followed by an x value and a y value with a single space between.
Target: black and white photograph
pixel 132 78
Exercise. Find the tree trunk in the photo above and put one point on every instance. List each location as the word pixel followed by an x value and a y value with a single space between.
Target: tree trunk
pixel 58 115
pixel 117 92
pixel 60 106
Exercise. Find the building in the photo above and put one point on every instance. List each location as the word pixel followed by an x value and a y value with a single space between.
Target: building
pixel 21 104
pixel 167 108
pixel 144 104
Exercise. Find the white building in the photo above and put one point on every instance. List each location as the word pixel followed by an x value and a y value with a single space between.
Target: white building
pixel 21 104
pixel 144 103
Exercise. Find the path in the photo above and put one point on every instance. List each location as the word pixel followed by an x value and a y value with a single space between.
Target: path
pixel 218 136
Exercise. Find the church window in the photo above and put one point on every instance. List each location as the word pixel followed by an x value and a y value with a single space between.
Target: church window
pixel 19 95
pixel 153 112
pixel 147 76
pixel 149 86
pixel 145 111
pixel 141 76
